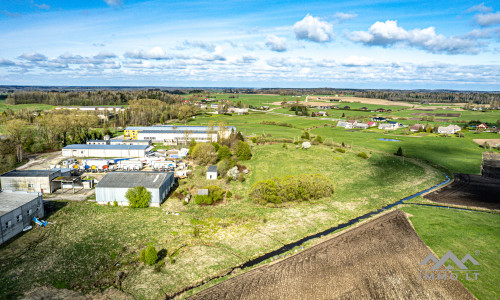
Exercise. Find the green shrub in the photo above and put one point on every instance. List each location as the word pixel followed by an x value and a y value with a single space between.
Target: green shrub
pixel 241 177
pixel 229 194
pixel 254 140
pixel 243 151
pixel 115 203
pixel 319 139
pixel 151 256
pixel 399 152
pixel 340 150
pixel 362 155
pixel 138 197
pixel 292 188
pixel 215 194
pixel 328 142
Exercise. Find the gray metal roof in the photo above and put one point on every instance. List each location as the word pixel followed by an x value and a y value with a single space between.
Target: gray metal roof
pixel 133 179
pixel 29 173
pixel 129 141
pixel 10 200
pixel 100 141
pixel 106 147
pixel 212 169
pixel 173 131
pixel 176 128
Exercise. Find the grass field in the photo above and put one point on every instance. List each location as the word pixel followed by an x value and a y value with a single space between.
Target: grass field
pixel 4 106
pixel 463 232
pixel 459 155
pixel 81 249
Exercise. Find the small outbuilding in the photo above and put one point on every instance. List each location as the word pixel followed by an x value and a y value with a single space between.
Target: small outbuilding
pixel 212 172
pixel 115 185
pixel 16 211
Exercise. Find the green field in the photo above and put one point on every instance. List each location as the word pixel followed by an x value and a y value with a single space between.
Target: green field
pixel 455 154
pixel 463 232
pixel 81 249
pixel 4 106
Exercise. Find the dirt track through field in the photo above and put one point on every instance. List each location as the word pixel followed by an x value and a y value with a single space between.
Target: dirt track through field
pixel 378 259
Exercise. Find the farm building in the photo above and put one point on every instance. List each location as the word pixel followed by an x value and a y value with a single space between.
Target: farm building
pixel 212 172
pixel 115 185
pixel 450 129
pixel 388 126
pixel 239 111
pixel 16 211
pixel 35 181
pixel 344 124
pixel 81 150
pixel 361 125
pixel 97 142
pixel 173 135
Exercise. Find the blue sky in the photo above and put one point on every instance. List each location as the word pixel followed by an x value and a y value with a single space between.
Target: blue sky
pixel 351 44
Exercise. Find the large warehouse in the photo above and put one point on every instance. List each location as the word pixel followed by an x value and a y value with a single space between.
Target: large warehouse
pixel 37 181
pixel 84 150
pixel 115 185
pixel 173 134
pixel 16 211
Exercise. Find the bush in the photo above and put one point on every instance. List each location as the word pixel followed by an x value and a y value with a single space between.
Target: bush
pixel 138 197
pixel 204 153
pixel 241 178
pixel 229 194
pixel 142 257
pixel 340 150
pixel 225 165
pixel 243 151
pixel 215 194
pixel 319 139
pixel 115 203
pixel 292 188
pixel 254 140
pixel 224 153
pixel 399 152
pixel 328 142
pixel 150 256
pixel 362 155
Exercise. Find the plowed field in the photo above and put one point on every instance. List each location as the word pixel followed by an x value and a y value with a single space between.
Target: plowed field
pixel 379 259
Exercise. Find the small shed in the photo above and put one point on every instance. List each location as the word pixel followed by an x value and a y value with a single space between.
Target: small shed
pixel 203 192
pixel 212 172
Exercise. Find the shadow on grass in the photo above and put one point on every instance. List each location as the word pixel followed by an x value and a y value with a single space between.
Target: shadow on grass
pixel 51 207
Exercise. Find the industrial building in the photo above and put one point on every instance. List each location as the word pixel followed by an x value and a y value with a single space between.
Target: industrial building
pixel 119 142
pixel 84 150
pixel 16 211
pixel 115 185
pixel 173 134
pixel 35 181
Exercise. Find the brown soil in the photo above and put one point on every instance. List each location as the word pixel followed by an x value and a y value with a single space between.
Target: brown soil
pixel 379 259
pixel 449 115
pixel 54 293
pixel 469 190
pixel 491 142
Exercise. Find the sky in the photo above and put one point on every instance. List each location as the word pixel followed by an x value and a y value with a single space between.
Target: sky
pixel 291 44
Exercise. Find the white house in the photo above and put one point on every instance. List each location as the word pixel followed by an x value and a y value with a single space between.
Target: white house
pixel 361 125
pixel 388 126
pixel 450 129
pixel 212 172
pixel 344 124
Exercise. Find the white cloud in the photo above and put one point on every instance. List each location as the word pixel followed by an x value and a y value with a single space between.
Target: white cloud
pixel 114 3
pixel 480 8
pixel 104 55
pixel 200 44
pixel 276 43
pixel 42 6
pixel 344 16
pixel 33 56
pixel 313 29
pixel 488 19
pixel 354 61
pixel 388 33
pixel 155 53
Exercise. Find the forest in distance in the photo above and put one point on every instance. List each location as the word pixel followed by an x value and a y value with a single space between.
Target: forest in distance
pixel 122 95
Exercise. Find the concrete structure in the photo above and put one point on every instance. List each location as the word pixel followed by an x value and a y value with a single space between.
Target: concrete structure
pixel 174 135
pixel 212 172
pixel 16 211
pixel 35 181
pixel 81 150
pixel 115 185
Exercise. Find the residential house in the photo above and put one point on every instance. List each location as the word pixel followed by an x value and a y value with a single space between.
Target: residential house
pixel 450 129
pixel 380 110
pixel 379 119
pixel 417 127
pixel 346 107
pixel 482 126
pixel 363 108
pixel 322 113
pixel 388 126
pixel 344 124
pixel 361 125
pixel 371 123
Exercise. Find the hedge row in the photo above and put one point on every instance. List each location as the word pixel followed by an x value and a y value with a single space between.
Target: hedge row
pixel 292 188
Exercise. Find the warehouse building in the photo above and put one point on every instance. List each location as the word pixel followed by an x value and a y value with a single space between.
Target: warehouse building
pixel 119 142
pixel 35 181
pixel 173 134
pixel 115 185
pixel 16 211
pixel 83 150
